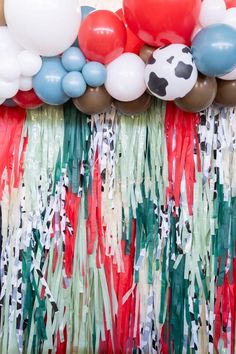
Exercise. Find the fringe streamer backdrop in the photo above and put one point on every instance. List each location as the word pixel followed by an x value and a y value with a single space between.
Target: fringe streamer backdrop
pixel 117 233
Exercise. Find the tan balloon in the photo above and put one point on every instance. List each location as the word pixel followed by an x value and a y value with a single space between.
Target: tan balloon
pixel 134 107
pixel 226 93
pixel 200 97
pixel 146 53
pixel 2 17
pixel 94 101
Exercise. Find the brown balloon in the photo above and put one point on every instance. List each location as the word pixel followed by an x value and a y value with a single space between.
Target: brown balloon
pixel 2 17
pixel 134 107
pixel 226 93
pixel 146 53
pixel 200 97
pixel 94 101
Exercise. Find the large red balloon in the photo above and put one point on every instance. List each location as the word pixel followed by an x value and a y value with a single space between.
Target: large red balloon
pixel 230 3
pixel 102 36
pixel 133 43
pixel 162 22
pixel 27 99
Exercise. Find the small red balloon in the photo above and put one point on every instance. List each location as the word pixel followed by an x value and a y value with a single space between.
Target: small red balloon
pixel 133 43
pixel 102 36
pixel 162 22
pixel 230 3
pixel 27 99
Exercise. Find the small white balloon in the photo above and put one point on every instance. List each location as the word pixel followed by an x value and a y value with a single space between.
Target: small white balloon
pixel 8 89
pixel 7 42
pixel 212 12
pixel 30 63
pixel 229 76
pixel 9 67
pixel 45 27
pixel 171 72
pixel 230 17
pixel 197 29
pixel 26 83
pixel 125 77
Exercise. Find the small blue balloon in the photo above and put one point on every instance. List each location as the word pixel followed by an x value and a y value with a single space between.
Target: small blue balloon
pixel 73 59
pixel 214 50
pixel 94 73
pixel 86 10
pixel 73 84
pixel 48 82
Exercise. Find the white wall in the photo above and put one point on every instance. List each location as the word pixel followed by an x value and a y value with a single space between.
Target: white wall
pixel 103 4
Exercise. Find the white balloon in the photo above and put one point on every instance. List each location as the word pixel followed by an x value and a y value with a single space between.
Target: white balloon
pixel 125 77
pixel 45 27
pixel 230 17
pixel 2 100
pixel 7 43
pixel 171 72
pixel 229 76
pixel 212 11
pixel 26 83
pixel 197 29
pixel 30 63
pixel 8 89
pixel 9 67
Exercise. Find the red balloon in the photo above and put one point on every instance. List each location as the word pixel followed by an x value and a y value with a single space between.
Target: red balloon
pixel 162 22
pixel 27 99
pixel 102 36
pixel 230 3
pixel 133 43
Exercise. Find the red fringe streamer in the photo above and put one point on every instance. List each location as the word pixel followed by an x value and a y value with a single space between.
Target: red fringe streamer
pixel 181 128
pixel 11 158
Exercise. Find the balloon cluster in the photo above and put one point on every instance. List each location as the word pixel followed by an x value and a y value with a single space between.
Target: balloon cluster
pixel 53 51
pixel 196 75
pixel 67 76
pixel 33 30
pixel 17 66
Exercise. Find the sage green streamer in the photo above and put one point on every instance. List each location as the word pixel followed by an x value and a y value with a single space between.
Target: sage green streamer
pixel 76 147
pixel 45 128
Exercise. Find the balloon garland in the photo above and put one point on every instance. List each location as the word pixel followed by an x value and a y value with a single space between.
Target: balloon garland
pixel 125 52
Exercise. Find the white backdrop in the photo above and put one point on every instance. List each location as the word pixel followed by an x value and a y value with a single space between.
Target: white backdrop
pixel 103 4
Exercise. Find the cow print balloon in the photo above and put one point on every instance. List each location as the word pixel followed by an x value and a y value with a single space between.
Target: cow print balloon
pixel 171 72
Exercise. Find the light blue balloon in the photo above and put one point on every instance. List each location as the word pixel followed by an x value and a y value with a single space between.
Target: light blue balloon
pixel 86 10
pixel 73 84
pixel 48 82
pixel 73 59
pixel 94 73
pixel 214 50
